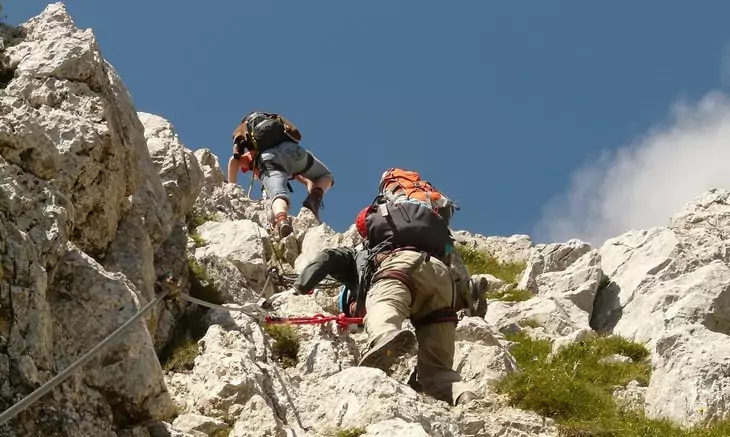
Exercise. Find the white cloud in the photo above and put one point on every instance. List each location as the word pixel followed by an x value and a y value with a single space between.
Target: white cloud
pixel 643 184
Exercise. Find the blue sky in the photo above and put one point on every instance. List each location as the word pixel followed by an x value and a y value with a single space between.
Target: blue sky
pixel 497 103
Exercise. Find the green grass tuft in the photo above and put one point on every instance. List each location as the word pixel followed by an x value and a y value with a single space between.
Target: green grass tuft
pixel 179 353
pixel 201 286
pixel 529 323
pixel 576 389
pixel 222 432
pixel 198 239
pixel 479 262
pixel 198 219
pixel 286 343
pixel 350 432
pixel 511 295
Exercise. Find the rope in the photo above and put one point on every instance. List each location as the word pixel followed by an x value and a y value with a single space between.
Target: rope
pixel 192 299
pixel 56 380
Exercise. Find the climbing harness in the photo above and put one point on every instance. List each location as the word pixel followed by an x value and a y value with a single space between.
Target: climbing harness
pixel 343 322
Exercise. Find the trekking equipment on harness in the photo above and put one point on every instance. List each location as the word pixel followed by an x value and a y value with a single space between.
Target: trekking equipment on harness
pixel 397 184
pixel 259 131
pixel 471 296
pixel 343 299
pixel 347 303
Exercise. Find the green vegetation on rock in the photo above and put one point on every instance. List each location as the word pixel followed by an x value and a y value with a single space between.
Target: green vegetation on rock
pixel 479 262
pixel 196 220
pixel 510 295
pixel 222 432
pixel 286 344
pixel 576 388
pixel 350 432
pixel 531 323
pixel 179 353
pixel 197 239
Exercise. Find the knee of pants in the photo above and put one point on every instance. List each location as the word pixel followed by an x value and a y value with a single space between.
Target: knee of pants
pixel 274 182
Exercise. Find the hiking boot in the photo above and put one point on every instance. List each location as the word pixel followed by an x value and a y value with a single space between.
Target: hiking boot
pixel 466 397
pixel 283 225
pixel 390 347
pixel 314 202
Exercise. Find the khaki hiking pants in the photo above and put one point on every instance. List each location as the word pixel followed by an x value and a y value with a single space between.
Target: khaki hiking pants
pixel 389 303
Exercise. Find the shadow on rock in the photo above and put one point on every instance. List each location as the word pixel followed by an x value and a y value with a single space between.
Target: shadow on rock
pixel 607 310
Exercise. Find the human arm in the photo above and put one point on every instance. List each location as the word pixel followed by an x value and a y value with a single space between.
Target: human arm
pixel 337 262
pixel 306 182
pixel 233 166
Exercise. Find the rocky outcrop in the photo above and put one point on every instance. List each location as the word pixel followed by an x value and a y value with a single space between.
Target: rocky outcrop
pixel 83 210
pixel 564 279
pixel 669 288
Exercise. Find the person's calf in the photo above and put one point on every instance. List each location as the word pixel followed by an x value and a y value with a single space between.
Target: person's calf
pixel 279 205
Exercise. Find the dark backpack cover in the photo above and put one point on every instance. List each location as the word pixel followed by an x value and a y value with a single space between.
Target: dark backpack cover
pixel 408 224
pixel 267 132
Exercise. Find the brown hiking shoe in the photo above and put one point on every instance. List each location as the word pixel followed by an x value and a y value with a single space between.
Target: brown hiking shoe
pixel 314 202
pixel 283 224
pixel 390 347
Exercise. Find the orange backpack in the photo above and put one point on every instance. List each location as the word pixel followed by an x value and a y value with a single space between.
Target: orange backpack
pixel 397 182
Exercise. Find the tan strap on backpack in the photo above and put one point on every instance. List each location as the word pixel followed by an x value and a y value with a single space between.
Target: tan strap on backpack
pixel 291 130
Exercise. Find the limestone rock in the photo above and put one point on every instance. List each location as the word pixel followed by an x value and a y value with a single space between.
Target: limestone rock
pixel 223 379
pixel 395 428
pixel 631 397
pixel 259 419
pixel 564 298
pixel 210 166
pixel 668 288
pixel 240 242
pixel 551 258
pixel 476 330
pixel 690 378
pixel 177 166
pixel 318 238
pixel 68 118
pixel 198 423
pixel 483 365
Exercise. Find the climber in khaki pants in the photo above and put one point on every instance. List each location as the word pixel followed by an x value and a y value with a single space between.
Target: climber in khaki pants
pixel 409 243
pixel 390 301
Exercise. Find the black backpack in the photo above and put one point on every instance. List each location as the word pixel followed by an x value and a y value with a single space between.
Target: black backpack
pixel 407 224
pixel 259 131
